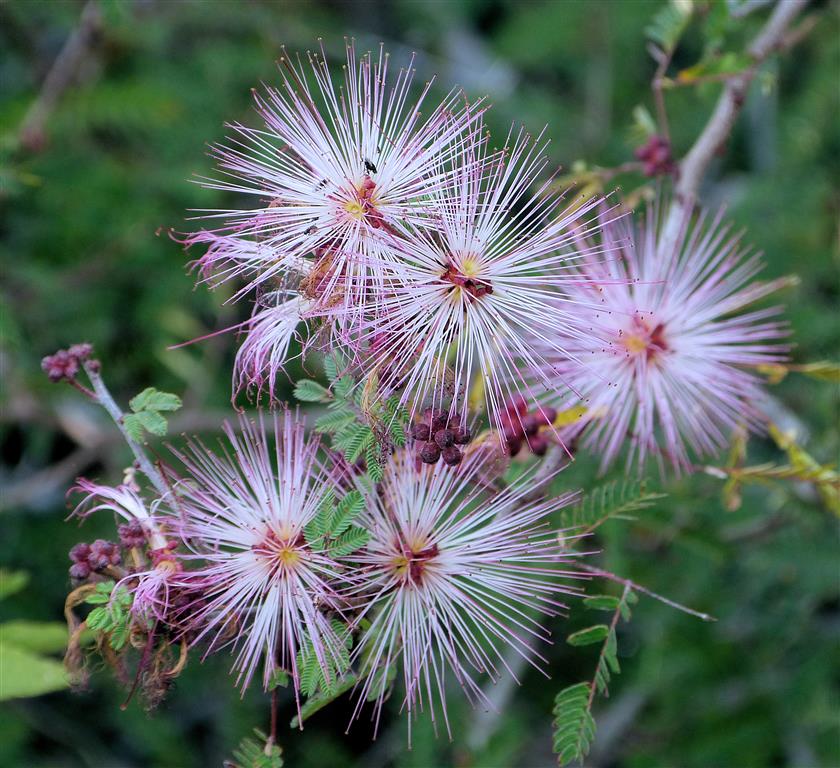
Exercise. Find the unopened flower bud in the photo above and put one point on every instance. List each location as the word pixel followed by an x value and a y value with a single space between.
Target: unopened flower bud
pixel 538 445
pixel 444 438
pixel 132 534
pixel 530 424
pixel 79 571
pixel 546 414
pixel 451 455
pixel 514 446
pixel 462 435
pixel 439 421
pixel 81 351
pixel 420 431
pixel 79 552
pixel 517 404
pixel 61 365
pixel 430 453
pixel 102 554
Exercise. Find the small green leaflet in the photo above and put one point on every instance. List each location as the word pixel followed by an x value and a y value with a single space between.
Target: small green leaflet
pixel 312 392
pixel 331 529
pixel 147 416
pixel 112 614
pixel 574 726
pixel 256 753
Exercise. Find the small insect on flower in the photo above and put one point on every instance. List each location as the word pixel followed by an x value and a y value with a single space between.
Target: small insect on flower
pixel 260 585
pixel 453 578
pixel 672 376
pixel 466 303
pixel 333 169
pixel 149 587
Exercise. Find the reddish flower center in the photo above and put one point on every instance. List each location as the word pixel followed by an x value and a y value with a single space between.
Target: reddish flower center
pixel 411 563
pixel 467 282
pixel 362 205
pixel 283 553
pixel 645 338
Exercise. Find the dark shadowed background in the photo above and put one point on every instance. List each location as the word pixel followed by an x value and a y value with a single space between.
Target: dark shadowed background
pixel 94 176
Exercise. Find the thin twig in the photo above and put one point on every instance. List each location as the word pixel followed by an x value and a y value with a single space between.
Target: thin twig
pixel 694 165
pixel 104 398
pixel 664 60
pixel 61 75
pixel 645 591
pixel 593 686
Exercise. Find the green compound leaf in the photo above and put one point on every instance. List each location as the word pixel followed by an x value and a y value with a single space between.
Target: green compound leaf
pixel 335 421
pixel 574 726
pixel 312 392
pixel 348 508
pixel 343 387
pixel 151 399
pixel 373 461
pixel 669 23
pixel 256 753
pixel 616 499
pixel 355 538
pixel 354 440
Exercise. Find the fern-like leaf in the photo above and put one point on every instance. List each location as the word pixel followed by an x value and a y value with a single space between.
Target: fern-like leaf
pixel 348 508
pixel 256 753
pixel 574 726
pixel 354 538
pixel 612 500
pixel 335 421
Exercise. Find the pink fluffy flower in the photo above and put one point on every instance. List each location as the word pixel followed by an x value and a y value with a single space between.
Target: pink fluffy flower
pixel 335 168
pixel 453 577
pixel 332 171
pixel 672 378
pixel 242 513
pixel 467 302
pixel 150 589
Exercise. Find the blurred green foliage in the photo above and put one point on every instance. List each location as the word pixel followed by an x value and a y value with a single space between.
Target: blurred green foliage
pixel 86 213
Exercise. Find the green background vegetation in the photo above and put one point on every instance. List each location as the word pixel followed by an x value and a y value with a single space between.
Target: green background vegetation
pixel 86 257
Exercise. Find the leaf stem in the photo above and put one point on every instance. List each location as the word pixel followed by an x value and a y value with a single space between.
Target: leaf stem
pixel 645 591
pixel 593 686
pixel 106 400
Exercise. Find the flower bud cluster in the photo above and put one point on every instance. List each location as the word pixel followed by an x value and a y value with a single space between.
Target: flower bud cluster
pixel 65 363
pixel 93 558
pixel 656 157
pixel 440 435
pixel 519 425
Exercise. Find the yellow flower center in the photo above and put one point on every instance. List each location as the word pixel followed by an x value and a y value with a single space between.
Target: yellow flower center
pixel 355 209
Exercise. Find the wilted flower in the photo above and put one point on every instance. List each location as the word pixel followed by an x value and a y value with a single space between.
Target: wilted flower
pixel 466 304
pixel 670 378
pixel 454 577
pixel 242 513
pixel 150 588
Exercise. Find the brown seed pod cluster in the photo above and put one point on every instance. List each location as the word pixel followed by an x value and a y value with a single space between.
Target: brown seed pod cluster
pixel 440 436
pixel 521 426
